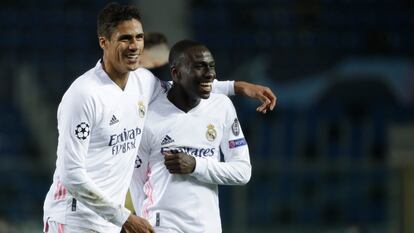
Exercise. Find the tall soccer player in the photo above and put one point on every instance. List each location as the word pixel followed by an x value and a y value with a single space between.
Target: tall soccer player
pixel 178 168
pixel 100 121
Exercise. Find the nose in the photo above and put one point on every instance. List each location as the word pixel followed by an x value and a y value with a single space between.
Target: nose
pixel 211 74
pixel 133 45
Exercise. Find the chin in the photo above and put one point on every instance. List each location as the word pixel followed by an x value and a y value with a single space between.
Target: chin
pixel 133 67
pixel 205 95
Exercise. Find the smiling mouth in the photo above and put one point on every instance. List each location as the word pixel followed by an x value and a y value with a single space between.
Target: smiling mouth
pixel 206 86
pixel 132 58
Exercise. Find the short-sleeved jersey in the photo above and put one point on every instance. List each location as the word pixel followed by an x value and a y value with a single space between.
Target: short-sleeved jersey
pixel 189 203
pixel 100 128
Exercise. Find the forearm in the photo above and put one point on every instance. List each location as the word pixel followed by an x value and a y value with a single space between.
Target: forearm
pixel 136 188
pixel 239 87
pixel 223 173
pixel 84 190
pixel 262 93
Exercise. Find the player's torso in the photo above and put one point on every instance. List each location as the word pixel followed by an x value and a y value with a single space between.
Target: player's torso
pixel 198 133
pixel 117 132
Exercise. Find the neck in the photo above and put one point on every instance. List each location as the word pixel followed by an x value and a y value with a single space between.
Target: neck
pixel 118 78
pixel 181 99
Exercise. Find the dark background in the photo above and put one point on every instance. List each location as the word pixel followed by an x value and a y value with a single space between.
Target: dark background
pixel 335 156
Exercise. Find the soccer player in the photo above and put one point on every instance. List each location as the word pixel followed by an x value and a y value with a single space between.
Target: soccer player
pixel 154 57
pixel 100 121
pixel 178 168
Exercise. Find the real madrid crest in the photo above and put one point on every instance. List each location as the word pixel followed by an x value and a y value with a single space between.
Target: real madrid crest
pixel 235 127
pixel 211 133
pixel 141 109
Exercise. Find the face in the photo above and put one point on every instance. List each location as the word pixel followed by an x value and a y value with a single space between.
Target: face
pixel 122 50
pixel 197 72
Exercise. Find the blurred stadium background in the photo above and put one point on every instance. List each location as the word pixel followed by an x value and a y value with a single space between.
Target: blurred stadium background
pixel 337 154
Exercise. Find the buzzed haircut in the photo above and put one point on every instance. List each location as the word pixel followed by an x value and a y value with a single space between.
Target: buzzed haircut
pixel 152 39
pixel 179 49
pixel 112 15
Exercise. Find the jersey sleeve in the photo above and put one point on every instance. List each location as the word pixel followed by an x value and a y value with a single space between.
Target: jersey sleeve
pixel 219 87
pixel 140 174
pixel 76 122
pixel 236 169
pixel 223 87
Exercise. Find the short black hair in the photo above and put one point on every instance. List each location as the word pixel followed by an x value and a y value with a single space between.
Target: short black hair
pixel 113 14
pixel 179 49
pixel 152 39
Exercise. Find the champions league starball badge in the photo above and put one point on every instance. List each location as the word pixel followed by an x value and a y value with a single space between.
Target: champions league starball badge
pixel 211 133
pixel 141 109
pixel 82 131
pixel 138 162
pixel 235 127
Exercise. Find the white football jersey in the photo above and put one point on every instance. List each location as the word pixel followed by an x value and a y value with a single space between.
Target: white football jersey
pixel 189 203
pixel 100 128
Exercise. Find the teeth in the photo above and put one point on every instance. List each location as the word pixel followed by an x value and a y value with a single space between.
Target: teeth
pixel 206 86
pixel 133 58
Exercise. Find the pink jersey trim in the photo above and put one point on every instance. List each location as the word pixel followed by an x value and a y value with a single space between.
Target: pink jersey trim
pixel 60 192
pixel 46 226
pixel 61 228
pixel 148 192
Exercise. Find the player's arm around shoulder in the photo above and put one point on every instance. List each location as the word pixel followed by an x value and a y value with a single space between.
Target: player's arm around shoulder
pixel 262 93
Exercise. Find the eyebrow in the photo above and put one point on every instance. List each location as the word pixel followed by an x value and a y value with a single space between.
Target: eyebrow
pixel 129 36
pixel 208 63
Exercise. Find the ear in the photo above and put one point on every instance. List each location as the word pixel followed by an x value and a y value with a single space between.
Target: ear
pixel 175 74
pixel 102 42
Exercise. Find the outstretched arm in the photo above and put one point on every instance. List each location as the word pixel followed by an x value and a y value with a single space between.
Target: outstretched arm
pixel 262 93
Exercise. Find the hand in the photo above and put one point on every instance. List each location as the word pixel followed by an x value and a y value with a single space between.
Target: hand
pixel 262 93
pixel 135 224
pixel 179 163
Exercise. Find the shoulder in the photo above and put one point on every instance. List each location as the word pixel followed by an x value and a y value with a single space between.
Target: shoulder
pixel 144 73
pixel 159 107
pixel 148 82
pixel 220 99
pixel 84 87
pixel 222 106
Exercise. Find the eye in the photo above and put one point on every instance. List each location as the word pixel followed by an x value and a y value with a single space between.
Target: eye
pixel 123 38
pixel 140 37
